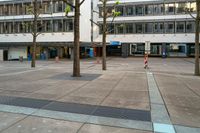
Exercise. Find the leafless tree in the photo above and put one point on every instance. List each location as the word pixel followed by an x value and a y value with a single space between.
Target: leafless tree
pixel 105 29
pixel 197 28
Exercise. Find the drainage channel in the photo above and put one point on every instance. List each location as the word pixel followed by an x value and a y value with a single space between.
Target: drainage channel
pixel 102 115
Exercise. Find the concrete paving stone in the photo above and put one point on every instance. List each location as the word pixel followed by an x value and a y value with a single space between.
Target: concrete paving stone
pixel 184 116
pixel 192 83
pixel 140 125
pixel 90 128
pixel 125 103
pixel 132 95
pixel 182 101
pixel 183 129
pixel 43 125
pixel 8 119
pixel 91 93
pixel 43 96
pixel 14 93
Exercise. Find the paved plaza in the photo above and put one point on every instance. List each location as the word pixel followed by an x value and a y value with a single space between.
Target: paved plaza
pixel 124 99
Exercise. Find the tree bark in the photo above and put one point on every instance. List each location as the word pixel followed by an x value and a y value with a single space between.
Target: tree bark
pixel 34 33
pixel 76 64
pixel 104 35
pixel 197 39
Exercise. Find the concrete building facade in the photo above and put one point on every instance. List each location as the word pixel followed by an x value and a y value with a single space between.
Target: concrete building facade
pixel 161 26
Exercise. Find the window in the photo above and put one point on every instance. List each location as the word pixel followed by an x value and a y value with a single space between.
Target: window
pixel 180 27
pixel 130 10
pixel 129 28
pixel 57 25
pixel 193 7
pixel 169 8
pixel 55 6
pixel 1 27
pixel 60 6
pixel 47 7
pixel 67 25
pixel 139 28
pixel 180 7
pixel 148 9
pixel 190 27
pixel 120 9
pixel 159 27
pixel 119 28
pixel 16 27
pixel 159 9
pixel 139 10
pixel 149 28
pixel 169 27
pixel 111 28
pixel 1 10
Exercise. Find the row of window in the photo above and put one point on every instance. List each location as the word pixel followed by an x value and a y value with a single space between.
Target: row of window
pixel 60 25
pixel 23 8
pixel 152 9
pixel 151 27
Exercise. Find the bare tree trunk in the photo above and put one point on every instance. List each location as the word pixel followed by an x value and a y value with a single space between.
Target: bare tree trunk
pixel 34 33
pixel 197 40
pixel 104 36
pixel 76 65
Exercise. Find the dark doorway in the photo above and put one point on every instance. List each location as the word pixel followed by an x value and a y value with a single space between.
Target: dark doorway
pixel 5 55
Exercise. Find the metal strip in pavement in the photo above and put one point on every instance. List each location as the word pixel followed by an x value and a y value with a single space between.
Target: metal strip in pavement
pixel 122 123
pixel 159 115
pixel 102 111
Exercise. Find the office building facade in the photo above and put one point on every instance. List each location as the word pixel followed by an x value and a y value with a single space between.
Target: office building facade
pixel 164 27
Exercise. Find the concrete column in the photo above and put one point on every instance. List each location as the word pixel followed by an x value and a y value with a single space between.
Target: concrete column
pixel 71 53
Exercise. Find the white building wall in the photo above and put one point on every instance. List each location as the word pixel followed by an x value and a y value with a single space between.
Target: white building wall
pixel 44 37
pixel 85 23
pixel 153 38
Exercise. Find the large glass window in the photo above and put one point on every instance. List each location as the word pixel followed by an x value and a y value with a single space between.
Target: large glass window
pixel 139 28
pixel 120 9
pixel 169 27
pixel 170 8
pixel 193 7
pixel 1 10
pixel 148 27
pixel 47 7
pixel 119 28
pixel 130 10
pixel 48 25
pixel 190 27
pixel 148 9
pixel 1 27
pixel 159 9
pixel 16 27
pixel 68 25
pixel 129 28
pixel 60 6
pixel 180 27
pixel 139 10
pixel 58 25
pixel 111 28
pixel 159 27
pixel 180 7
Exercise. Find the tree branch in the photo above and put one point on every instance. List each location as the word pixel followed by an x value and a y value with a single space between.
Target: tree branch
pixel 94 22
pixel 81 2
pixel 68 3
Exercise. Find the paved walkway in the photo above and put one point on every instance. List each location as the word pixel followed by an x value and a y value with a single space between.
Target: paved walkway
pixel 125 98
